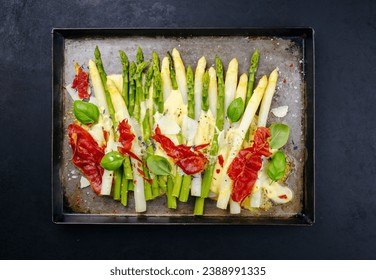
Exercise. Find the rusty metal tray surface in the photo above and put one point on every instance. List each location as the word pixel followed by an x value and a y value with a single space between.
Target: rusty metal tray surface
pixel 289 49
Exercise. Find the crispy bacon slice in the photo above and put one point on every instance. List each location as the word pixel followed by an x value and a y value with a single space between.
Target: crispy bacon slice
pixel 244 168
pixel 188 158
pixel 87 155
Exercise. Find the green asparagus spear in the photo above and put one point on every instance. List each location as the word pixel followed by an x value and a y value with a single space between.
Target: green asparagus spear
pixel 251 80
pixel 132 88
pixel 157 92
pixel 130 185
pixel 155 187
pixel 103 75
pixel 148 80
pixel 139 56
pixel 155 61
pixel 191 93
pixel 162 181
pixel 117 186
pixel 138 74
pixel 127 168
pixel 185 187
pixel 147 135
pixel 199 206
pixel 125 75
pixel 171 200
pixel 155 66
pixel 221 94
pixel 177 185
pixel 252 71
pixel 205 91
pixel 139 91
pixel 219 122
pixel 124 191
pixel 187 179
pixel 172 72
pixel 125 179
pixel 146 130
pixel 146 126
pixel 150 192
pixel 147 185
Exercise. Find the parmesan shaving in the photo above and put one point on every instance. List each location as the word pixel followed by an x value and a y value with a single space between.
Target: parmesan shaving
pixel 84 182
pixel 280 112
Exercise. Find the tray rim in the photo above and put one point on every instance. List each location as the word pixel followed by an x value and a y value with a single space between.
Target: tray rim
pixel 305 218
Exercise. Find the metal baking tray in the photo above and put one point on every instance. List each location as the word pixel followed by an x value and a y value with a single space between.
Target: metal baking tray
pixel 289 49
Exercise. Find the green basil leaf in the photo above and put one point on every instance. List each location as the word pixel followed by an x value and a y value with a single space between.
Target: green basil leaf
pixel 158 165
pixel 279 135
pixel 112 160
pixel 86 113
pixel 236 109
pixel 277 166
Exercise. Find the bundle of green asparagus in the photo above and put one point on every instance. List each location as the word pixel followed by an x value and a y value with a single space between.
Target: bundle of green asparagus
pixel 159 129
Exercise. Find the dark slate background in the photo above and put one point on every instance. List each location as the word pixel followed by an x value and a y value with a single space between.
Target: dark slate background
pixel 345 225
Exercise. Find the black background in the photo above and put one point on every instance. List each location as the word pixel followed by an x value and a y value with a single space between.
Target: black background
pixel 345 225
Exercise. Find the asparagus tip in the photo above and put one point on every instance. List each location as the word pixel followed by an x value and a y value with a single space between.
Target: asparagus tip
pixel 96 51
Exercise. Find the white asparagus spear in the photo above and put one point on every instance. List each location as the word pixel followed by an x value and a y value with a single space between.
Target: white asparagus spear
pixel 252 106
pixel 213 91
pixel 166 81
pixel 151 103
pixel 205 129
pixel 196 185
pixel 218 176
pixel 256 196
pixel 97 86
pixel 106 122
pixel 200 70
pixel 242 87
pixel 236 138
pixel 121 113
pixel 204 134
pixel 180 74
pixel 267 99
pixel 117 79
pixel 199 116
pixel 235 207
pixel 108 175
pixel 213 97
pixel 231 82
pixel 241 90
